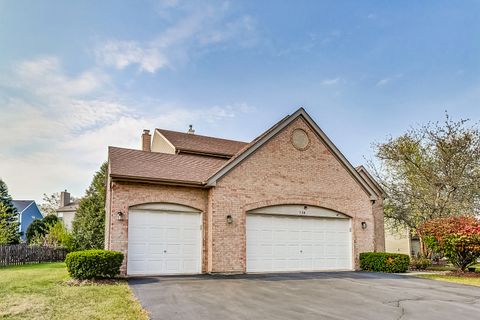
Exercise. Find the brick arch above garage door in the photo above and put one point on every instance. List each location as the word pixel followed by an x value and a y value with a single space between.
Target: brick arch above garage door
pixel 167 206
pixel 292 201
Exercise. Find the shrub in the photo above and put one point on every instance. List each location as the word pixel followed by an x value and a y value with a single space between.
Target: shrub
pixel 384 262
pixel 420 263
pixel 458 238
pixel 36 229
pixel 90 264
pixel 39 228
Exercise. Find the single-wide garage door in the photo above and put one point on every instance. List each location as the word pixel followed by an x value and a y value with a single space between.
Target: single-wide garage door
pixel 278 243
pixel 163 242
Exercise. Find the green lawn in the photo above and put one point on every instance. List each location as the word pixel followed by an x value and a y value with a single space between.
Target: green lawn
pixel 37 291
pixel 455 279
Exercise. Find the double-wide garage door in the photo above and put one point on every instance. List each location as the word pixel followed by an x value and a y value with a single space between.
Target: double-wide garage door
pixel 278 243
pixel 164 242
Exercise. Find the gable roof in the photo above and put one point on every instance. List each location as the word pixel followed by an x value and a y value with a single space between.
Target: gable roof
pixel 21 205
pixel 373 182
pixel 70 207
pixel 189 169
pixel 198 144
pixel 273 131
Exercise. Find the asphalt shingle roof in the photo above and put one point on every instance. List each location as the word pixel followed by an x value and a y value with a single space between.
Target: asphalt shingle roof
pixel 188 168
pixel 21 204
pixel 202 144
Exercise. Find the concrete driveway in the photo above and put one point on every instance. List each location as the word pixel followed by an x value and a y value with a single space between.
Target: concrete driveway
pixel 329 295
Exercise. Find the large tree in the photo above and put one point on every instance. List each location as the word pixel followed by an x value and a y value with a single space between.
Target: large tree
pixel 431 172
pixel 9 222
pixel 89 222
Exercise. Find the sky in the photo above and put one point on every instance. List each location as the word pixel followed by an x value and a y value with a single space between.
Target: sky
pixel 78 76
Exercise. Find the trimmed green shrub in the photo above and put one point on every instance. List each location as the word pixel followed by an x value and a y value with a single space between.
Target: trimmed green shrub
pixel 384 262
pixel 420 263
pixel 94 264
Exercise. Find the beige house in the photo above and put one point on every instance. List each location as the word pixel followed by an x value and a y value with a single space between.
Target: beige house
pixel 287 201
pixel 400 240
pixel 67 210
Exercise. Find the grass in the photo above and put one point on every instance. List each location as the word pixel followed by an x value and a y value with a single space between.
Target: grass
pixel 456 279
pixel 38 291
pixel 441 268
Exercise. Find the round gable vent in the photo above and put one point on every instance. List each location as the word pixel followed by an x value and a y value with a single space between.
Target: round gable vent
pixel 300 139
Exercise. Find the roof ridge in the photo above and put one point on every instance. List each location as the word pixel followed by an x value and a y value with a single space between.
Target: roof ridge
pixel 242 154
pixel 249 145
pixel 200 135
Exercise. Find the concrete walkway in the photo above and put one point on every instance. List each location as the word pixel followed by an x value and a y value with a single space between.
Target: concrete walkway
pixel 336 295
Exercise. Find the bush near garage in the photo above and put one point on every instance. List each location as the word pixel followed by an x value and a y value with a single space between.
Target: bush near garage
pixel 384 262
pixel 420 263
pixel 94 264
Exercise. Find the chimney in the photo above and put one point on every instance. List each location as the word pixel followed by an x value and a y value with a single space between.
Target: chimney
pixel 190 129
pixel 146 140
pixel 64 198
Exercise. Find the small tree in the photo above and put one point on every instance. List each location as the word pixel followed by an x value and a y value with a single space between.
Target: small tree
pixel 9 222
pixel 40 227
pixel 458 238
pixel 89 222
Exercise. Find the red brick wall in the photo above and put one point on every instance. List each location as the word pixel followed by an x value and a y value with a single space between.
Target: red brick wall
pixel 278 173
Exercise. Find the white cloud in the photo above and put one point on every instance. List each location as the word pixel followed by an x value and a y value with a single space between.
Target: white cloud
pixel 201 26
pixel 387 80
pixel 331 82
pixel 56 139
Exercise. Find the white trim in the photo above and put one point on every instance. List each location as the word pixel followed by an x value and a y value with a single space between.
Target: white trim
pixel 300 112
pixel 27 206
pixel 164 206
pixel 299 210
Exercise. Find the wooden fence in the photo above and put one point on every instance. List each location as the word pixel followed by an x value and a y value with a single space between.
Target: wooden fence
pixel 23 253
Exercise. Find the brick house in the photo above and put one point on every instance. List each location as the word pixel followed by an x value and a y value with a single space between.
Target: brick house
pixel 287 201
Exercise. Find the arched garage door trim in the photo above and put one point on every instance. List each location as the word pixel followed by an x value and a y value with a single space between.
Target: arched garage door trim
pixel 301 210
pixel 166 206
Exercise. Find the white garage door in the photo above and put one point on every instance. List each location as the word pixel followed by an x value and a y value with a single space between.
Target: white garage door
pixel 163 242
pixel 288 243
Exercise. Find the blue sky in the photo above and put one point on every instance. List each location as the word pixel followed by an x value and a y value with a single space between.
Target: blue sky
pixel 76 77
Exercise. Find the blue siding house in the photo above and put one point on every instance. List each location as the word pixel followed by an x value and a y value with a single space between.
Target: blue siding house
pixel 28 211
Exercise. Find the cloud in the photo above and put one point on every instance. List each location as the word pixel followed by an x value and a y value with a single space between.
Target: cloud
pixel 383 82
pixel 56 139
pixel 201 26
pixel 331 82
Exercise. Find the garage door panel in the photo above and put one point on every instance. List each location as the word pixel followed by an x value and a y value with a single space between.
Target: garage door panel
pixel 161 242
pixel 297 244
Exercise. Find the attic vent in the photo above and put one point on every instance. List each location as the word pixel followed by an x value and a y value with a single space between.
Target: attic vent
pixel 300 139
pixel 190 129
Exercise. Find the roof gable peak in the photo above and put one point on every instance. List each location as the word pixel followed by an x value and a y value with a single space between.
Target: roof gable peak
pixel 273 131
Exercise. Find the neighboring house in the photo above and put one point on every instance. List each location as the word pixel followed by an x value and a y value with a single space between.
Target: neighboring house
pixel 27 212
pixel 67 210
pixel 400 240
pixel 287 201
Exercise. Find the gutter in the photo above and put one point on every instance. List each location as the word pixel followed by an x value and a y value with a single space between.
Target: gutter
pixel 183 183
